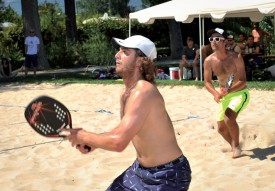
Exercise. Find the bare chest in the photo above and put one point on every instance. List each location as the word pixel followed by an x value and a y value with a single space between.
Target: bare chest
pixel 223 67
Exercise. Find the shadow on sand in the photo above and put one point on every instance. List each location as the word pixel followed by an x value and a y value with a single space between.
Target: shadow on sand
pixel 262 153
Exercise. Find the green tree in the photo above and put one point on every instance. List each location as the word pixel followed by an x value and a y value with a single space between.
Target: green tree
pixel 176 42
pixel 9 15
pixel 99 7
pixel 2 5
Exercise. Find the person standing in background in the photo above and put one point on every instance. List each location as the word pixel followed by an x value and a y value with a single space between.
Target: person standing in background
pixel 258 33
pixel 32 43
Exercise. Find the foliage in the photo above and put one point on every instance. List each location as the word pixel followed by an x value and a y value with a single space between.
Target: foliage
pixel 12 39
pixel 97 50
pixel 51 17
pixel 96 40
pixel 62 55
pixel 9 15
pixel 99 7
pixel 59 53
pixel 268 25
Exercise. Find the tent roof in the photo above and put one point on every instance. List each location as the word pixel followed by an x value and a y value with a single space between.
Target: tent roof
pixel 185 11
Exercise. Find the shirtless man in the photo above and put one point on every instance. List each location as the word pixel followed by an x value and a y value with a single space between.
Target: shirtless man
pixel 160 164
pixel 232 101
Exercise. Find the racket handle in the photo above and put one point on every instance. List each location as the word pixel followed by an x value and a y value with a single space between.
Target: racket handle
pixel 86 147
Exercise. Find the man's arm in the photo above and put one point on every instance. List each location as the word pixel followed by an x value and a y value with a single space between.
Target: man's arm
pixel 136 112
pixel 208 80
pixel 26 49
pixel 241 82
pixel 237 49
pixel 197 55
pixel 183 57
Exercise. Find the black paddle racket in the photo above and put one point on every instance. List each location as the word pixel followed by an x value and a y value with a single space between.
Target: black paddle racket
pixel 48 117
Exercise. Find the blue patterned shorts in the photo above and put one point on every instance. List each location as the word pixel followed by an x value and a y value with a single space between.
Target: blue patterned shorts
pixel 172 176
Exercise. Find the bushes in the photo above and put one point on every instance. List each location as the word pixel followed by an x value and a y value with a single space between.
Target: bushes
pixel 11 44
pixel 97 50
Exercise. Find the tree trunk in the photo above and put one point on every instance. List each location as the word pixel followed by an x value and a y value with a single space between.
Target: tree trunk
pixel 32 21
pixel 176 43
pixel 71 30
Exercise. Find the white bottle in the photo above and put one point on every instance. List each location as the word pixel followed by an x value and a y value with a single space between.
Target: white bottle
pixel 246 49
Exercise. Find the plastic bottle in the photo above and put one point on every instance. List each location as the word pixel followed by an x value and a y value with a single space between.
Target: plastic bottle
pixel 246 50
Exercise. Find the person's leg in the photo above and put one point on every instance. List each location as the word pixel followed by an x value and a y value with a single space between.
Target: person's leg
pixel 238 102
pixel 27 64
pixel 224 131
pixel 35 64
pixel 196 69
pixel 26 71
pixel 34 71
pixel 233 129
pixel 181 70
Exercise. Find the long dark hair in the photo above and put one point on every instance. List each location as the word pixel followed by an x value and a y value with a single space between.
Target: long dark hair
pixel 147 68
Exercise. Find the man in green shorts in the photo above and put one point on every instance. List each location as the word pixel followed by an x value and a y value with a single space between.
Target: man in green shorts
pixel 232 99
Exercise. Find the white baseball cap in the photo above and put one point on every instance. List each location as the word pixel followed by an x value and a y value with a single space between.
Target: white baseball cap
pixel 217 30
pixel 140 42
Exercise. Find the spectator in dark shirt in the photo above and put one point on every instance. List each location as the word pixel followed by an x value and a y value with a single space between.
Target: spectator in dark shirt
pixel 190 58
pixel 253 47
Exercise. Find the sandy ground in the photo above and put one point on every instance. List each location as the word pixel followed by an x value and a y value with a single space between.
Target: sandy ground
pixel 30 162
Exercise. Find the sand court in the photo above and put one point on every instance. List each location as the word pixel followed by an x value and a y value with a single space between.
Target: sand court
pixel 32 162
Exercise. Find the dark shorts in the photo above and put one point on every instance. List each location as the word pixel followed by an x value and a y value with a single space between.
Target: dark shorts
pixel 172 176
pixel 31 60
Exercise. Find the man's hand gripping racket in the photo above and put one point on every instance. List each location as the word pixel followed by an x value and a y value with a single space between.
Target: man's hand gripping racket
pixel 48 117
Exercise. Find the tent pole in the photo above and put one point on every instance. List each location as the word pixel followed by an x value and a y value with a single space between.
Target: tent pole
pixel 203 37
pixel 129 27
pixel 200 47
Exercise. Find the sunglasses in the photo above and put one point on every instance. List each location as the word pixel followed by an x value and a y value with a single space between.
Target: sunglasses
pixel 229 40
pixel 217 39
pixel 31 31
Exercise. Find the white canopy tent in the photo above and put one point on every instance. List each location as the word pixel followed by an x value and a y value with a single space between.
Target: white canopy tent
pixel 185 11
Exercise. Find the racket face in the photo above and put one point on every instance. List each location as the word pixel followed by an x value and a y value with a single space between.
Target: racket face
pixel 229 82
pixel 48 116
